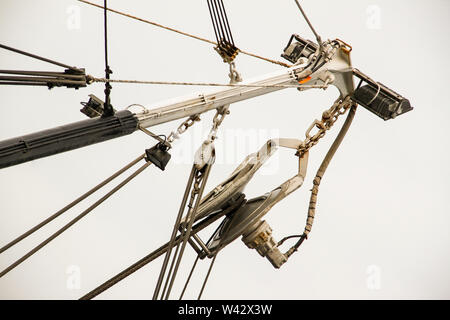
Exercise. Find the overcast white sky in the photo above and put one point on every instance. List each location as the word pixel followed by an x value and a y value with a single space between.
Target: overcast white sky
pixel 381 229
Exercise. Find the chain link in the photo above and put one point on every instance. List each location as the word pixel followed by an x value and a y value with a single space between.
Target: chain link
pixel 198 178
pixel 235 77
pixel 189 122
pixel 329 117
pixel 218 117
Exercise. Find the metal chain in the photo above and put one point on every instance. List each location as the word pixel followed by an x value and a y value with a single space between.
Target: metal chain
pixel 235 77
pixel 189 122
pixel 198 178
pixel 329 117
pixel 217 121
pixel 218 117
pixel 338 108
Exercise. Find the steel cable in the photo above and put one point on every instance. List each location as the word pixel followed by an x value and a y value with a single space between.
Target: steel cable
pixel 173 236
pixel 206 84
pixel 70 205
pixel 181 32
pixel 207 276
pixel 73 221
pixel 190 218
pixel 157 253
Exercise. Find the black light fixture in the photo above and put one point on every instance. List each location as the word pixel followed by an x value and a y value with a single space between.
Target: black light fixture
pixel 158 155
pixel 301 48
pixel 379 99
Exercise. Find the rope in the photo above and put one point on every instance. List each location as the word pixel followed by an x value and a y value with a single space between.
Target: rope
pixel 108 110
pixel 205 84
pixel 181 32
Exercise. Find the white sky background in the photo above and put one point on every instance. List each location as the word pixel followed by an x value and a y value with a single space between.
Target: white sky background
pixel 381 229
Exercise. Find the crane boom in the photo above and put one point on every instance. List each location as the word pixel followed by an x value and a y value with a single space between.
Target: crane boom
pixel 316 69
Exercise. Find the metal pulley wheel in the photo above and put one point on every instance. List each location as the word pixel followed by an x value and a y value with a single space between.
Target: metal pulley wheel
pixel 246 220
pixel 236 182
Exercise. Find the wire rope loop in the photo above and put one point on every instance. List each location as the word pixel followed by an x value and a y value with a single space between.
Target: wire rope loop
pixel 378 92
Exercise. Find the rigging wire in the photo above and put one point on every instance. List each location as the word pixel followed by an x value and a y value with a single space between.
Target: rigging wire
pixel 222 9
pixel 157 137
pixel 108 110
pixel 189 277
pixel 195 264
pixel 226 48
pixel 173 237
pixel 205 84
pixel 207 276
pixel 200 179
pixel 213 18
pixel 224 33
pixel 319 40
pixel 70 205
pixel 38 57
pixel 171 269
pixel 218 23
pixel 158 252
pixel 72 77
pixel 76 219
pixel 182 33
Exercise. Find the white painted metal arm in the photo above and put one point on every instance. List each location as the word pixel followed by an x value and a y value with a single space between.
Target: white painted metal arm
pixel 333 72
